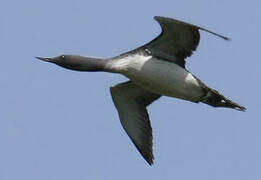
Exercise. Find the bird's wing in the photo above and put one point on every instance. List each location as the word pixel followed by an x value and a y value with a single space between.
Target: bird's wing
pixel 177 40
pixel 131 102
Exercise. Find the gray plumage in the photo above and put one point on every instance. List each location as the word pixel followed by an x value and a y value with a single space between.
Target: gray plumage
pixel 155 69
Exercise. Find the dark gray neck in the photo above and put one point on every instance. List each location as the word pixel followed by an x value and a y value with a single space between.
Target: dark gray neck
pixel 80 63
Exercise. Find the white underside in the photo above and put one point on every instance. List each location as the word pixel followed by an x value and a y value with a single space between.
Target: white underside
pixel 159 76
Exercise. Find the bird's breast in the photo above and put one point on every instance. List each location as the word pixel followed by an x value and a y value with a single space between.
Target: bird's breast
pixel 160 76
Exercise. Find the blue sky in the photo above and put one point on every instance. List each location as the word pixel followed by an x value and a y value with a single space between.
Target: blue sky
pixel 60 124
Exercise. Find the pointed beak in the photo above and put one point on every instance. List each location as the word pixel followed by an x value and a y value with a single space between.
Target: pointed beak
pixel 45 59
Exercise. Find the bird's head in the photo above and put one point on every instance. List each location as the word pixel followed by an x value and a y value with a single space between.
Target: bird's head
pixel 74 62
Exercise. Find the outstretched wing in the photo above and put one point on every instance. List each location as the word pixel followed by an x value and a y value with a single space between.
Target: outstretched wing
pixel 177 40
pixel 131 102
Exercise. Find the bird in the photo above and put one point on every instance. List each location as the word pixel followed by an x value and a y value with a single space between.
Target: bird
pixel 155 69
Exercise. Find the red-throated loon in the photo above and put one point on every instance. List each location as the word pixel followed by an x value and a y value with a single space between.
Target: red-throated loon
pixel 156 69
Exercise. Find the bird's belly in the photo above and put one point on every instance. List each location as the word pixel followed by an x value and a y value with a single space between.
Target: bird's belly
pixel 165 78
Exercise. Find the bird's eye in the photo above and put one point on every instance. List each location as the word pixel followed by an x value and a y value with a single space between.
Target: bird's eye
pixel 62 57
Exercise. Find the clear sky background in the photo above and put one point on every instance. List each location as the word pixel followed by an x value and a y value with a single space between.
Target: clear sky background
pixel 60 124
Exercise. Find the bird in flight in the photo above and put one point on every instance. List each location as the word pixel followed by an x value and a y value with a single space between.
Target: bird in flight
pixel 155 69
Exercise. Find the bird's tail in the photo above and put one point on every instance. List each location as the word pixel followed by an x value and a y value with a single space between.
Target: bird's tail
pixel 214 98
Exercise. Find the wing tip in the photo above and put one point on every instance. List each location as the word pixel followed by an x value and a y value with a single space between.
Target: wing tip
pixel 149 159
pixel 216 34
pixel 150 162
pixel 226 38
pixel 160 18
